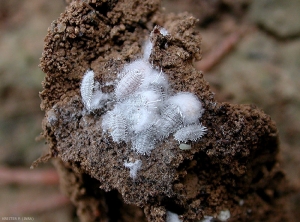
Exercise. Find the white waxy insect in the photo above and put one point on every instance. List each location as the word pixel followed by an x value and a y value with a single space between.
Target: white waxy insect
pixel 133 167
pixel 170 120
pixel 144 142
pixel 92 96
pixel 129 84
pixel 115 123
pixel 190 132
pixel 132 77
pixel 86 88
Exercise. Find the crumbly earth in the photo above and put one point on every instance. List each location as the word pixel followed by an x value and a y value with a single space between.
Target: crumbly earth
pixel 233 167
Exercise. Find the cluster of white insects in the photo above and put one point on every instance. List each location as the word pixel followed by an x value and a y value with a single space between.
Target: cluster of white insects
pixel 145 111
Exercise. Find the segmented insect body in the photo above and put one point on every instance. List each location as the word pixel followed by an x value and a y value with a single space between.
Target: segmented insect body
pixel 170 121
pixel 86 89
pixel 115 123
pixel 129 84
pixel 132 77
pixel 190 132
pixel 144 142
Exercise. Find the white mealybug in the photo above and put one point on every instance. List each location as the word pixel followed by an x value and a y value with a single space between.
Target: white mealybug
pixel 129 84
pixel 86 89
pixel 170 120
pixel 191 132
pixel 144 142
pixel 92 96
pixel 133 167
pixel 132 77
pixel 189 105
pixel 115 123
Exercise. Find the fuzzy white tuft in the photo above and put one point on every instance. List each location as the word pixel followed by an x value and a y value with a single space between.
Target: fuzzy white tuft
pixel 52 117
pixel 189 105
pixel 163 31
pixel 224 215
pixel 156 81
pixel 99 99
pixel 139 65
pixel 207 219
pixel 142 119
pixel 172 217
pixel 133 167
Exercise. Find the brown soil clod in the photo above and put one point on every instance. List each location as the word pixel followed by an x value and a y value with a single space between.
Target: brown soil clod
pixel 232 168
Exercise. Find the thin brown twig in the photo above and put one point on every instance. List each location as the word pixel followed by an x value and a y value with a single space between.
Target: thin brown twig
pixel 28 177
pixel 216 54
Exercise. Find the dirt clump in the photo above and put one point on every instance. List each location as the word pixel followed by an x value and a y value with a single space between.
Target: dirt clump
pixel 233 168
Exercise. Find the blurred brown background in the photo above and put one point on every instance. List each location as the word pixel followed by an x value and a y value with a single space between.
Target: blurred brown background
pixel 255 51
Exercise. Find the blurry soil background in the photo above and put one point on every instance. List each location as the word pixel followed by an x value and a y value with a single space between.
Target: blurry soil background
pixel 258 46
